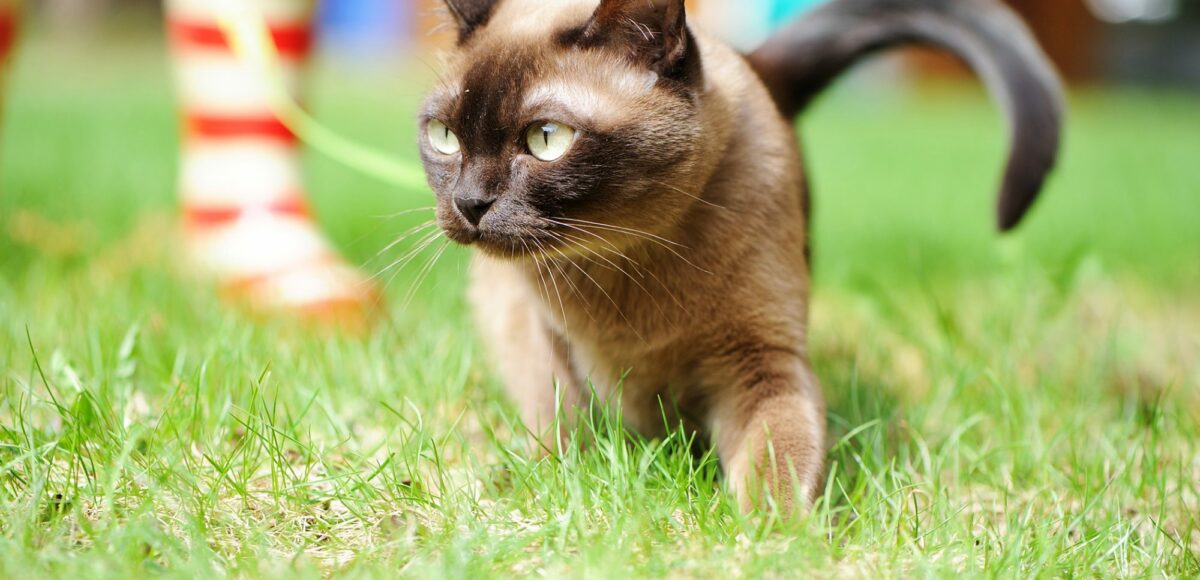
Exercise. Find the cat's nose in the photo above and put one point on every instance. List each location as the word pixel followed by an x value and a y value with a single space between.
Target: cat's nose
pixel 473 208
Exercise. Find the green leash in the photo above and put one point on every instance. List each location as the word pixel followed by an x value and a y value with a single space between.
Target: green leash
pixel 251 41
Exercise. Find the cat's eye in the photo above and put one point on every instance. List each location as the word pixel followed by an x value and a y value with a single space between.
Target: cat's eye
pixel 442 138
pixel 549 141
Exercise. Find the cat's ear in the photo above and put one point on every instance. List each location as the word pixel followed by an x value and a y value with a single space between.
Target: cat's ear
pixel 470 15
pixel 651 32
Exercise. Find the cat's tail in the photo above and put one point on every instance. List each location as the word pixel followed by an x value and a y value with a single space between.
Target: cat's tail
pixel 803 58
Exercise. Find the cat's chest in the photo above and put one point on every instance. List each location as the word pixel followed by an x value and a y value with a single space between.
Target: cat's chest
pixel 622 312
pixel 628 336
pixel 646 385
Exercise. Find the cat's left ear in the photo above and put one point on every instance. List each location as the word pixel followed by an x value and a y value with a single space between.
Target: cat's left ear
pixel 470 15
pixel 651 32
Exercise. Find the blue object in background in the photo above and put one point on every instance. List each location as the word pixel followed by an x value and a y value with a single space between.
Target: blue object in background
pixel 784 10
pixel 365 28
pixel 372 29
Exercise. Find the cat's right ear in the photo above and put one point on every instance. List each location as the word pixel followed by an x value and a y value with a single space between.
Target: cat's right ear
pixel 470 15
pixel 652 33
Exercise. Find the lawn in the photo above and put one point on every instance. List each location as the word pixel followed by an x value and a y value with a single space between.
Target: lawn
pixel 1026 405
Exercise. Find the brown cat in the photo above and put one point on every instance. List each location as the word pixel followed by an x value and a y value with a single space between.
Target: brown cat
pixel 636 194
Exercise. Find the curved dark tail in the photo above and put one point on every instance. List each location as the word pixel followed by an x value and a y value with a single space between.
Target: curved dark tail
pixel 799 61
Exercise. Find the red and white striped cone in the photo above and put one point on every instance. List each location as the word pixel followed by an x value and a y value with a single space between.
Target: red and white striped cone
pixel 245 217
pixel 9 19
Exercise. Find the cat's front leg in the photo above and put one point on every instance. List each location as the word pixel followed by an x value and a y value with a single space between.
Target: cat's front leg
pixel 531 360
pixel 769 426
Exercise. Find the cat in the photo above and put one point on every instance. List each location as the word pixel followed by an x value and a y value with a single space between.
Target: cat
pixel 636 195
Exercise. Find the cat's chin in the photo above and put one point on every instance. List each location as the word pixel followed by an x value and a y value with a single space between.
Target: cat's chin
pixel 461 236
pixel 505 246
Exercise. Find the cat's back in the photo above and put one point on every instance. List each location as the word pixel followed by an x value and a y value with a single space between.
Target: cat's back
pixel 760 150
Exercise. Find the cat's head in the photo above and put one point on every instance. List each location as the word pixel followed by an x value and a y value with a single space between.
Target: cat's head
pixel 561 123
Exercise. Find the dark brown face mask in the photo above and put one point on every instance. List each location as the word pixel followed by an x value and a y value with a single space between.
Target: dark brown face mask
pixel 587 121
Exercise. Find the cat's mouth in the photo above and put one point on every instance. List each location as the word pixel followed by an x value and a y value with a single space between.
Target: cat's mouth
pixel 515 244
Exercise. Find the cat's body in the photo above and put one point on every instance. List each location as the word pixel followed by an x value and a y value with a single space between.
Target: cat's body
pixel 662 260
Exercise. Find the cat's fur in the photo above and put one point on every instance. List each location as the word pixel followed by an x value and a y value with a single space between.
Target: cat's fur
pixel 665 255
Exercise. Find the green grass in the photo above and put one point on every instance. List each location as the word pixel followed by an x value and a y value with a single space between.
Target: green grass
pixel 1020 406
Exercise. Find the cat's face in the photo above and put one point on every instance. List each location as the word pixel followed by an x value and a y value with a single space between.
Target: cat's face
pixel 560 123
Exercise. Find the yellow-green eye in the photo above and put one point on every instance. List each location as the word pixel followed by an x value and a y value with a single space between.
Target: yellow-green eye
pixel 442 138
pixel 549 141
